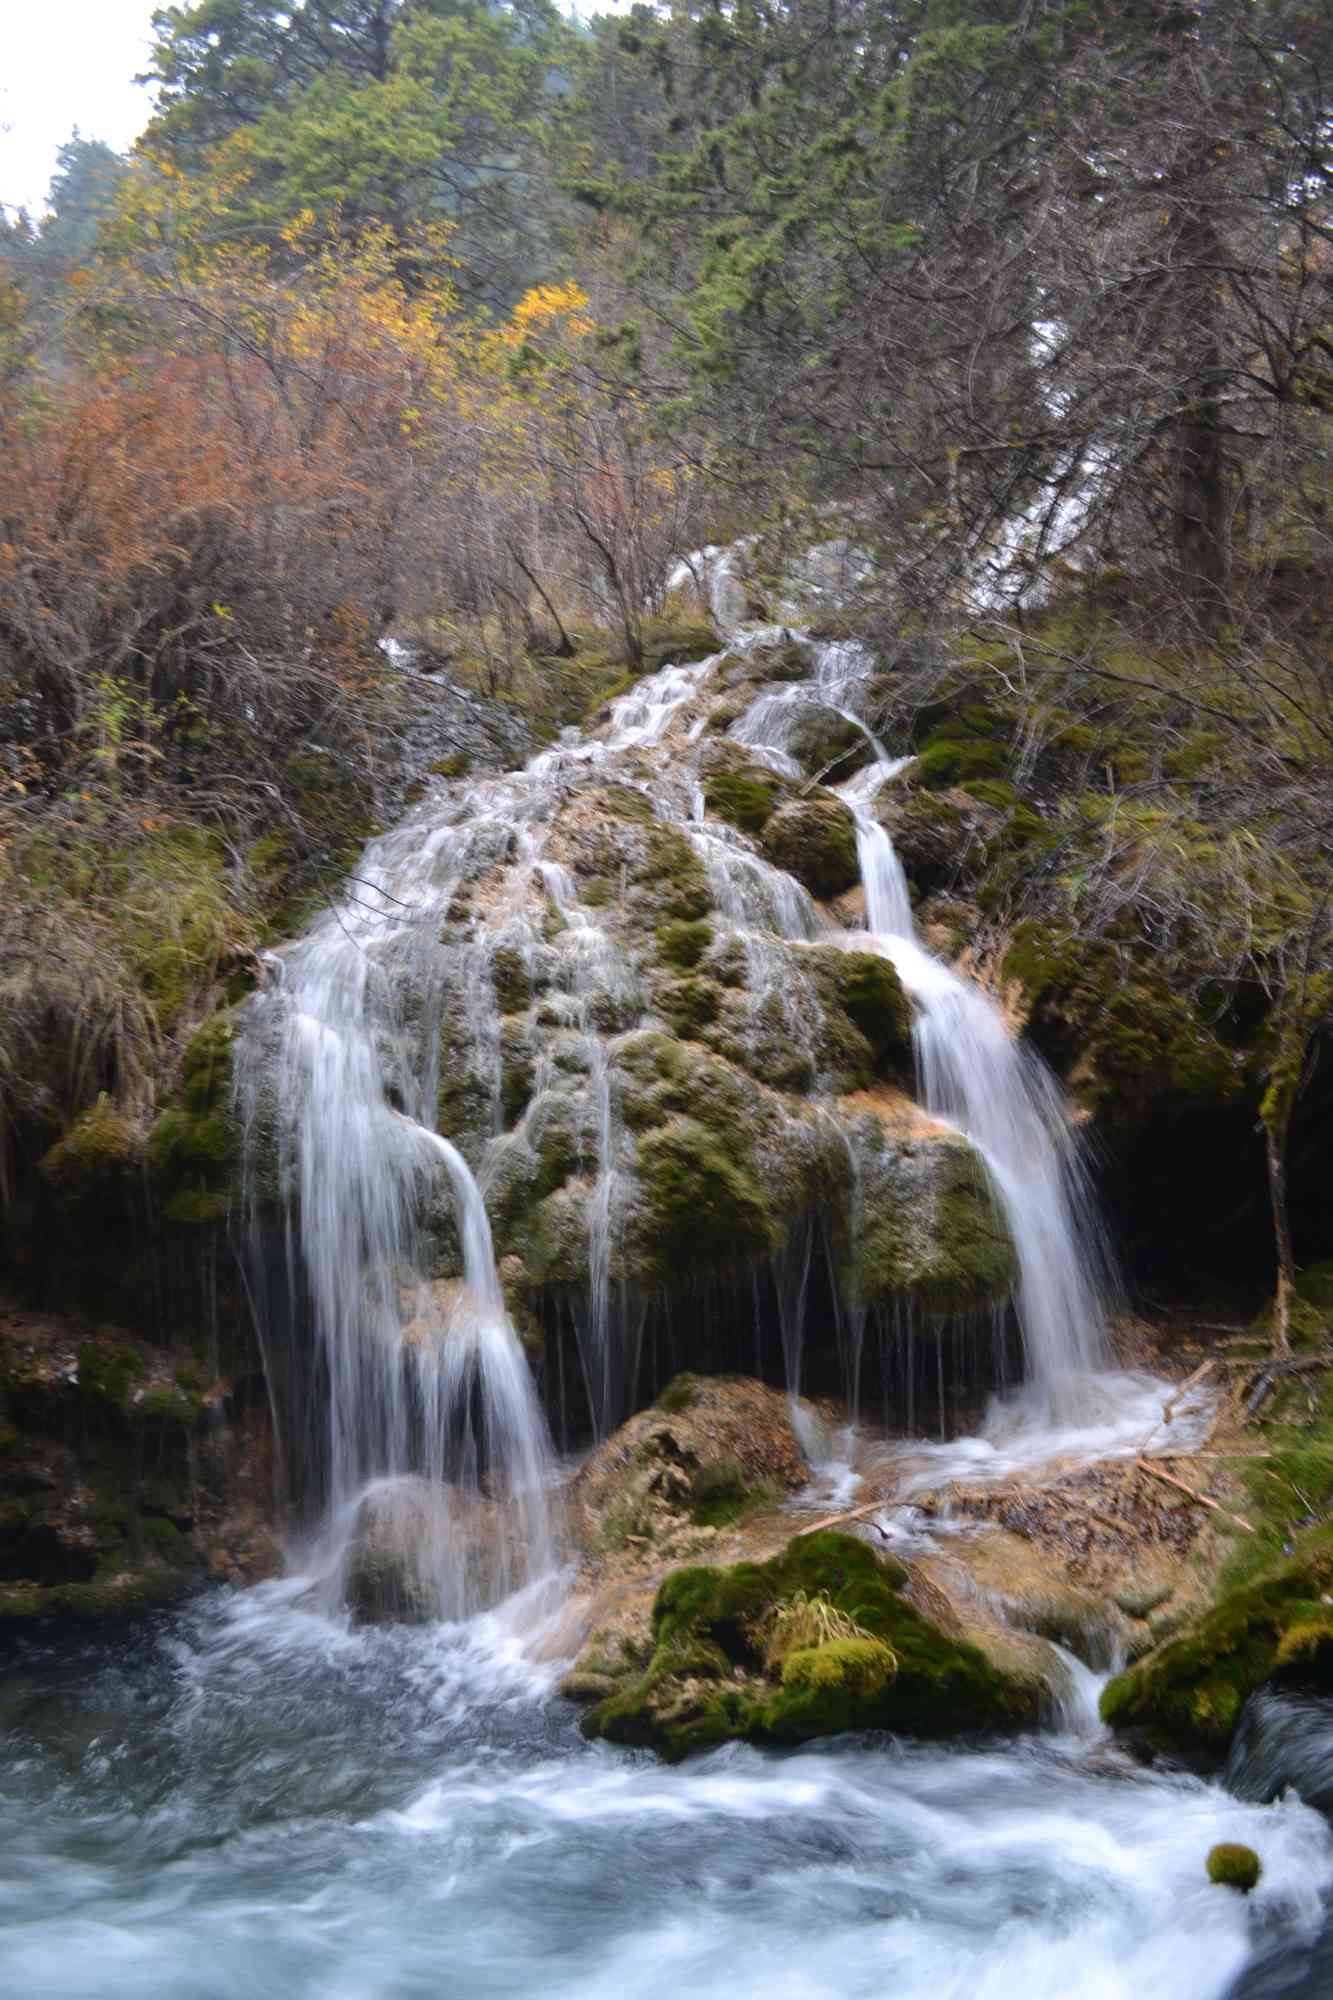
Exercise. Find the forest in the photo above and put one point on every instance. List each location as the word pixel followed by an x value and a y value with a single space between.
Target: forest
pixel 666 863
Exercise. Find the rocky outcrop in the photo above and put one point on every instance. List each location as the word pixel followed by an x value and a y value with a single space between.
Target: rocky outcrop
pixel 709 1452
pixel 128 1475
pixel 1187 1694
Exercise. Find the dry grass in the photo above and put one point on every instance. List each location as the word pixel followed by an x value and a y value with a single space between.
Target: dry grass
pixel 804 1621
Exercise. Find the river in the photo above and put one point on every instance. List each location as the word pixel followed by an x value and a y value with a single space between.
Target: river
pixel 247 1798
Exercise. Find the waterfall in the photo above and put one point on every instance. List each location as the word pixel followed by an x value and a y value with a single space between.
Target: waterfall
pixel 422 1389
pixel 385 1132
pixel 972 1073
pixel 976 1076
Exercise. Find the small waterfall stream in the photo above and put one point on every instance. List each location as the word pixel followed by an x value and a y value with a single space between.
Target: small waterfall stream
pixel 972 1072
pixel 429 1405
pixel 975 1075
pixel 350 1054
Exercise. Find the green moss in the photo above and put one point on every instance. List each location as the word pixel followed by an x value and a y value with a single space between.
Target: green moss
pixel 745 799
pixel 724 1493
pixel 676 642
pixel 1233 1866
pixel 456 765
pixel 701 1205
pixel 625 802
pixel 1137 1038
pixel 161 1534
pixel 997 792
pixel 167 1404
pixel 688 1005
pixel 98 1148
pixel 934 1236
pixel 669 878
pixel 814 839
pixel 193 1148
pixel 1189 1692
pixel 107 1374
pixel 872 997
pixel 947 758
pixel 510 979
pixel 681 945
pixel 826 742
pixel 840 1667
pixel 680 1392
pixel 709 1679
pixel 1292 1483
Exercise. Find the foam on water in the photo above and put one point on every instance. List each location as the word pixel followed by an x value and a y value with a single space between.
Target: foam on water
pixel 259 1801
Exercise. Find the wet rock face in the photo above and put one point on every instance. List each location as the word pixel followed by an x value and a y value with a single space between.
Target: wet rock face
pixel 387 1569
pixel 126 1476
pixel 709 1452
pixel 608 980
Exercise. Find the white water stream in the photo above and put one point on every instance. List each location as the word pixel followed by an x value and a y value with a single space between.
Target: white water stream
pixel 256 1804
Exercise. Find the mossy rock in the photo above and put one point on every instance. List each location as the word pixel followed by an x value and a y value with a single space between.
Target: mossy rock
pixel 932 1233
pixel 823 741
pixel 511 979
pixel 872 997
pixel 100 1148
pixel 700 1203
pixel 1134 1039
pixel 814 839
pixel 107 1372
pixel 669 879
pixel 1187 1695
pixel 676 642
pixel 193 1149
pixel 746 799
pixel 687 1005
pixel 681 945
pixel 790 659
pixel 1233 1866
pixel 713 1678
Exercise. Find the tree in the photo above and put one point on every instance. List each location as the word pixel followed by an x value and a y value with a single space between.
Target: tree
pixel 368 113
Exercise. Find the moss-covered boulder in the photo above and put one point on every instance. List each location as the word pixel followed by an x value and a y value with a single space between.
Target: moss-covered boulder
pixel 814 839
pixel 871 995
pixel 1108 1019
pixel 710 1451
pixel 826 745
pixel 1233 1866
pixel 939 837
pixel 1187 1695
pixel 122 1480
pixel 99 1149
pixel 931 1232
pixel 700 1205
pixel 819 1640
pixel 746 797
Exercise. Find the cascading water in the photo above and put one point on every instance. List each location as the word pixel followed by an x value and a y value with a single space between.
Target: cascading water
pixel 249 1797
pixel 416 1381
pixel 972 1073
pixel 342 1082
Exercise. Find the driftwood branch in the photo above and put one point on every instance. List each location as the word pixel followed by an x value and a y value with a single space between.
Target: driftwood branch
pixel 1199 1499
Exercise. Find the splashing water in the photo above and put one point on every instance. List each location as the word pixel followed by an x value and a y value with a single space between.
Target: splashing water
pixel 415 1380
pixel 260 1802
